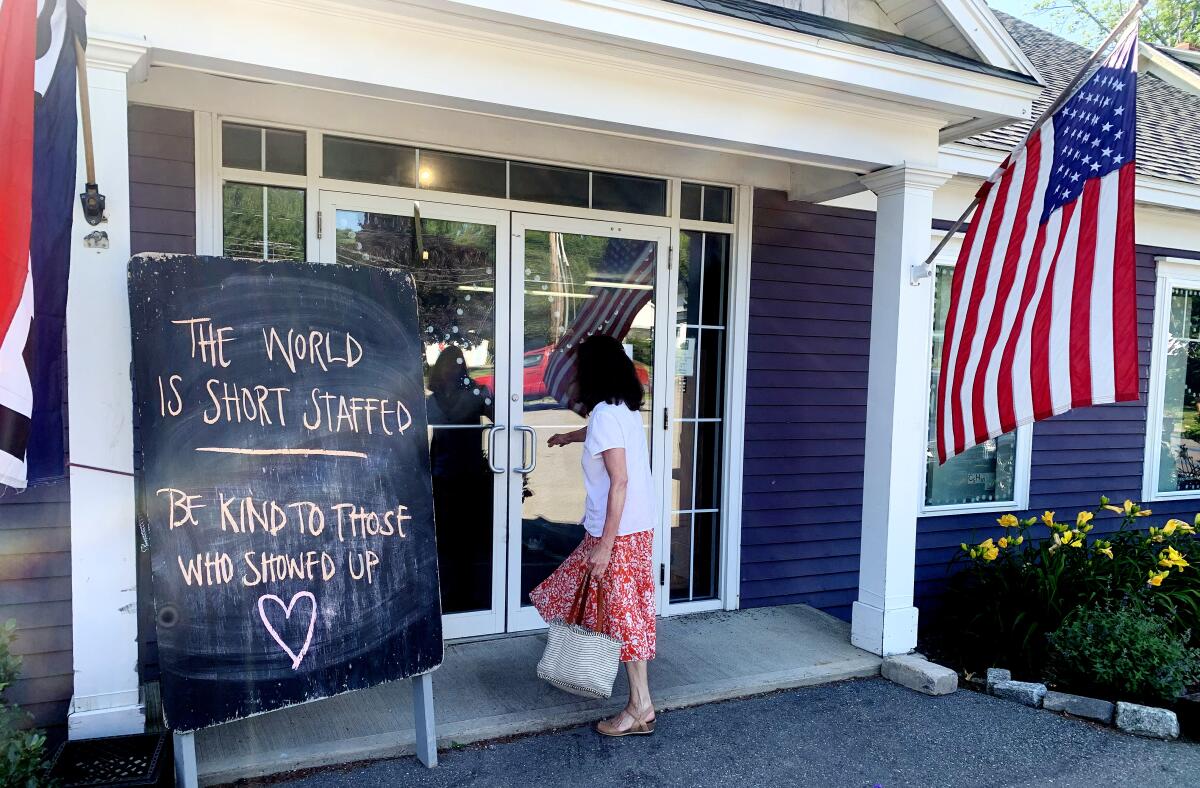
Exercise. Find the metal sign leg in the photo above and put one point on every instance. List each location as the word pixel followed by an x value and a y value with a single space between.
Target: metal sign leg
pixel 186 773
pixel 423 720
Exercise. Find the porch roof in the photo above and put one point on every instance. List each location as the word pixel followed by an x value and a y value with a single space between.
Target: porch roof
pixel 848 33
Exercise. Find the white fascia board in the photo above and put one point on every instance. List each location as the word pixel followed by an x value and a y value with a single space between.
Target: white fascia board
pixel 987 36
pixel 1169 69
pixel 346 49
pixel 705 37
pixel 976 162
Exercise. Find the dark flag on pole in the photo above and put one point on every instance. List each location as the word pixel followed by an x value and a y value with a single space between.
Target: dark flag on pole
pixel 37 183
pixel 1043 314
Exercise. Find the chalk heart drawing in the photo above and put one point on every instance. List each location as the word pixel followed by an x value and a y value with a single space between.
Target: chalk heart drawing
pixel 297 656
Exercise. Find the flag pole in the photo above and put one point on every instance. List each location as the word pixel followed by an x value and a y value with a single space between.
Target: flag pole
pixel 92 199
pixel 925 269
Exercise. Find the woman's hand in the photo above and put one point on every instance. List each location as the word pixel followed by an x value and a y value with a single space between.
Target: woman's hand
pixel 598 560
pixel 565 438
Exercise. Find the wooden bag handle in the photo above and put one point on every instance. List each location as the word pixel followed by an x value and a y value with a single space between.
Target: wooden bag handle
pixel 580 604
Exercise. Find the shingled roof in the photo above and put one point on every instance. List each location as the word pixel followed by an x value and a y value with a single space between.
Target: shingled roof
pixel 1168 143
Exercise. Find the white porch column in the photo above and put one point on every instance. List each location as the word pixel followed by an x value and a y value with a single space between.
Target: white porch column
pixel 100 412
pixel 884 619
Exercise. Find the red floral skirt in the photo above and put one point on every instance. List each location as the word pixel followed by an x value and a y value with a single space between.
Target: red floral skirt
pixel 629 606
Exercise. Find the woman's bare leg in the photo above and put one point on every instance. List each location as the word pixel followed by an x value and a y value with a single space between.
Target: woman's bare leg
pixel 640 706
pixel 639 690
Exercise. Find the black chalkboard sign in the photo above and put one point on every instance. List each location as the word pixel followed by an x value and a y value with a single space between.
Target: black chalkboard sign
pixel 285 486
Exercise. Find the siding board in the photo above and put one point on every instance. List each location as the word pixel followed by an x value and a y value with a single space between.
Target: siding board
pixel 162 195
pixel 35 591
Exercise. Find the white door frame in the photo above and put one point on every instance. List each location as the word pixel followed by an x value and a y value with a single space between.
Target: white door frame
pixel 526 618
pixel 483 622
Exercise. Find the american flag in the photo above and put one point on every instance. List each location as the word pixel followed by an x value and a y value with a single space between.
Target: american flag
pixel 625 284
pixel 1042 314
pixel 37 183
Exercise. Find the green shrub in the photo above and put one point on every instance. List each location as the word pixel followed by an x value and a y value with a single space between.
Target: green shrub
pixel 1122 653
pixel 22 752
pixel 1022 583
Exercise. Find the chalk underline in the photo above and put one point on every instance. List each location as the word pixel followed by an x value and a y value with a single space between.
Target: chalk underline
pixel 295 452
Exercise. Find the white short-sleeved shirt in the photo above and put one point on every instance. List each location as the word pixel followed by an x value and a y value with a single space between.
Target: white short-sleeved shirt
pixel 618 427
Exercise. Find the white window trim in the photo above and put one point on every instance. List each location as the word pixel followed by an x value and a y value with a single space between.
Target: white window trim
pixel 1024 449
pixel 1171 272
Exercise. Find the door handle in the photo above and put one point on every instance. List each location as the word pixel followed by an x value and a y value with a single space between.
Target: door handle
pixel 533 453
pixel 491 431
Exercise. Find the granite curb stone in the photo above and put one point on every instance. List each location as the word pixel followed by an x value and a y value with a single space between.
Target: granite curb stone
pixel 920 674
pixel 1079 706
pixel 995 676
pixel 1147 721
pixel 1025 692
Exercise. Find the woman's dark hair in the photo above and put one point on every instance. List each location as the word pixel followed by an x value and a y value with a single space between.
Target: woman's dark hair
pixel 606 374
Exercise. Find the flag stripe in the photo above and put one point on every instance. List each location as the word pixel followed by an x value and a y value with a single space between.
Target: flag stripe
pixel 1031 250
pixel 1124 297
pixel 964 283
pixel 962 271
pixel 960 401
pixel 17 43
pixel 985 392
pixel 1100 328
pixel 1080 318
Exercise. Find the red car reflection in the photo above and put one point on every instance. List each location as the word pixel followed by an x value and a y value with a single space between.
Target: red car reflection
pixel 535 363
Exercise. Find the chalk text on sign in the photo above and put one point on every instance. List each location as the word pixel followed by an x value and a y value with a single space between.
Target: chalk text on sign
pixel 315 347
pixel 182 507
pixel 338 413
pixel 207 340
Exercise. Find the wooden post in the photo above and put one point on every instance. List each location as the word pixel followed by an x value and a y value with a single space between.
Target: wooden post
pixel 423 719
pixel 186 773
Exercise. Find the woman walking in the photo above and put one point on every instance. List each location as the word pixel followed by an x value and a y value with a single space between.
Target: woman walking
pixel 619 516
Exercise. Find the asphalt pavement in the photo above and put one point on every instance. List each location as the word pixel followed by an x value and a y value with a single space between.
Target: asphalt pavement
pixel 858 733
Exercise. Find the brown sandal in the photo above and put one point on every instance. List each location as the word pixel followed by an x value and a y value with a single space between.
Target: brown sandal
pixel 640 727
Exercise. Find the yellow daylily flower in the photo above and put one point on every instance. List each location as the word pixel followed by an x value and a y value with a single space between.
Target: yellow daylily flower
pixel 1003 542
pixel 1174 525
pixel 1156 578
pixel 1155 535
pixel 1105 550
pixel 1172 558
pixel 1048 518
pixel 1008 521
pixel 1083 518
pixel 988 550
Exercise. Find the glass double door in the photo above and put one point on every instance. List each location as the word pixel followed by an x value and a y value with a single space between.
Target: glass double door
pixel 504 300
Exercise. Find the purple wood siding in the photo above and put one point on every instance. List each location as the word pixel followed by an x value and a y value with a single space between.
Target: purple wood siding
pixel 810 297
pixel 162 180
pixel 810 309
pixel 35 591
pixel 162 215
